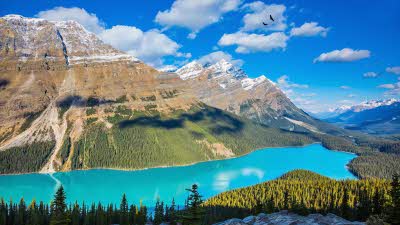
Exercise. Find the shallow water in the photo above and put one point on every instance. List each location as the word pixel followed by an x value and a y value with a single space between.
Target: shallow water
pixel 107 186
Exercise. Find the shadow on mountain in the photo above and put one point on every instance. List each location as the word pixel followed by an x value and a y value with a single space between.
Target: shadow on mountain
pixel 153 121
pixel 78 101
pixel 217 121
pixel 4 83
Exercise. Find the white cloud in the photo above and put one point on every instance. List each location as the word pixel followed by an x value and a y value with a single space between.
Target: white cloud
pixel 309 29
pixel 387 86
pixel 393 89
pixel 254 42
pixel 87 20
pixel 370 75
pixel 217 56
pixel 344 55
pixel 285 83
pixel 149 46
pixel 395 70
pixel 259 13
pixel 344 87
pixel 351 95
pixel 195 15
pixel 168 68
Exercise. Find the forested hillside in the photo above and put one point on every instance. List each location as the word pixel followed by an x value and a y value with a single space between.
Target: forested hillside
pixel 149 139
pixel 305 192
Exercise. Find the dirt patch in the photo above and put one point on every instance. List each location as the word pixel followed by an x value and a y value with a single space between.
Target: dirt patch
pixel 218 149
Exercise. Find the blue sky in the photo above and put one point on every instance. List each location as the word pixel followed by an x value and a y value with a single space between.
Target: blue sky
pixel 365 35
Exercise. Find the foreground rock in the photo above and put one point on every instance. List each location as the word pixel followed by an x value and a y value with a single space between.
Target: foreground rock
pixel 286 218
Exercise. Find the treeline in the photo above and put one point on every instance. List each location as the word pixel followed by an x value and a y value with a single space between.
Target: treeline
pixel 58 212
pixel 377 157
pixel 25 159
pixel 304 192
pixel 375 164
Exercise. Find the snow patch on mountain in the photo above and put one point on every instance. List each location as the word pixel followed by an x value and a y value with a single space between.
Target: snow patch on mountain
pixel 78 44
pixel 224 72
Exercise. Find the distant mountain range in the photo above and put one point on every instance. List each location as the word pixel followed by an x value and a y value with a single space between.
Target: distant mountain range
pixel 373 117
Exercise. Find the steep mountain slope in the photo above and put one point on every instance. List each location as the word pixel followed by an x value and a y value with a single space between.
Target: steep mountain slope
pixel 69 101
pixel 373 117
pixel 227 87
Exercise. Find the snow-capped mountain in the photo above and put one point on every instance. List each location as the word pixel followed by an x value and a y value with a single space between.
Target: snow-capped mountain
pixel 58 40
pixel 375 117
pixel 226 86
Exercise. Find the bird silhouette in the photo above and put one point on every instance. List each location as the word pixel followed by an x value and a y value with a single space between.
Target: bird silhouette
pixel 271 18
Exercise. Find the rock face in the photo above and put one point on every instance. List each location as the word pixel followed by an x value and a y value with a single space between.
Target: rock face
pixel 285 218
pixel 47 68
pixel 227 87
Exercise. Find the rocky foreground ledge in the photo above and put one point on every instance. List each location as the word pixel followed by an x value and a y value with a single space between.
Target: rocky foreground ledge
pixel 286 218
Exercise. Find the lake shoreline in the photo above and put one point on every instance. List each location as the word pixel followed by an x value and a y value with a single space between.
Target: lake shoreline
pixel 189 164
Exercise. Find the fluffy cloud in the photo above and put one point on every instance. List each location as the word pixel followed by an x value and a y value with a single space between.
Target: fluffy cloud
pixel 247 43
pixel 344 55
pixel 285 83
pixel 87 20
pixel 259 13
pixel 395 70
pixel 195 15
pixel 370 75
pixel 309 29
pixel 150 46
pixel 217 56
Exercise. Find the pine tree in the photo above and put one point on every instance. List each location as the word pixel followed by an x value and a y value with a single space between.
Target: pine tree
pixel 158 212
pixel 394 211
pixel 58 208
pixel 172 213
pixel 75 214
pixel 194 212
pixel 21 218
pixel 123 211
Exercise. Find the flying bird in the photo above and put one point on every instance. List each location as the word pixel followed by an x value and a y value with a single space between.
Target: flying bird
pixel 270 16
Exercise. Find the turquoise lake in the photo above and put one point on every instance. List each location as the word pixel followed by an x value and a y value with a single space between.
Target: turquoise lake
pixel 147 185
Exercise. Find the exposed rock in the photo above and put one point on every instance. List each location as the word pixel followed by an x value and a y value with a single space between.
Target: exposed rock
pixel 227 87
pixel 50 71
pixel 285 218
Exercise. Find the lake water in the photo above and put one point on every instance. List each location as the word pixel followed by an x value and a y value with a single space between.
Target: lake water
pixel 212 177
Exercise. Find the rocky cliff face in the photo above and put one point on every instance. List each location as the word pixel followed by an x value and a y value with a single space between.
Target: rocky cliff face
pixel 50 71
pixel 227 87
pixel 284 218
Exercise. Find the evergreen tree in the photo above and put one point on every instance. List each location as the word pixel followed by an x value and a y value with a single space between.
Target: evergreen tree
pixel 75 214
pixel 394 211
pixel 123 211
pixel 194 212
pixel 58 209
pixel 21 218
pixel 344 207
pixel 172 213
pixel 158 212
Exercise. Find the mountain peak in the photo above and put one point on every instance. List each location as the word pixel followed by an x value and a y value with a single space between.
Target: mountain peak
pixel 37 39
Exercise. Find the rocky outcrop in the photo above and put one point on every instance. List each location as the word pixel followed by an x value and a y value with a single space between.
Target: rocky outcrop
pixel 227 87
pixel 286 218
